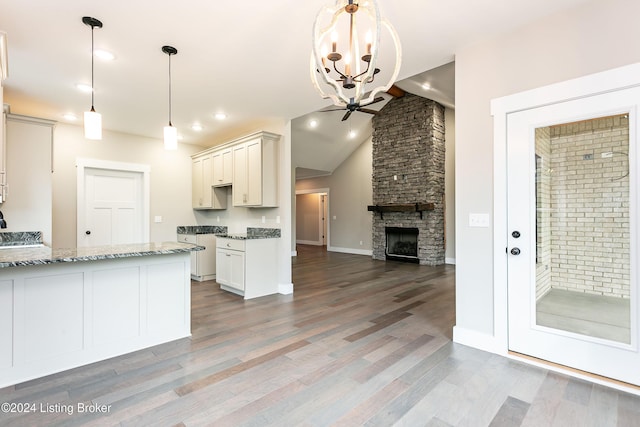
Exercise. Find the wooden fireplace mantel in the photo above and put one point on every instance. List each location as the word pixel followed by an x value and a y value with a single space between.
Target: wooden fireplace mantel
pixel 401 207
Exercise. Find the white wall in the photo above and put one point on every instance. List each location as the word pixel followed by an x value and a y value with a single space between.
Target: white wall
pixel 598 36
pixel 170 179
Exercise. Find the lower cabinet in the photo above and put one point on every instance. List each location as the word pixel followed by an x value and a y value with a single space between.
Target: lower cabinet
pixel 247 267
pixel 203 263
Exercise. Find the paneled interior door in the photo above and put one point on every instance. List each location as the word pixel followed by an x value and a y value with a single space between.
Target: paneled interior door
pixel 572 222
pixel 111 210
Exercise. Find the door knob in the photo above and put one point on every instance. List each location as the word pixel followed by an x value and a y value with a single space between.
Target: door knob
pixel 87 232
pixel 515 251
pixel 515 234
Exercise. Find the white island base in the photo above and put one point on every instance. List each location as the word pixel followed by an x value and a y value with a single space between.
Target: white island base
pixel 63 315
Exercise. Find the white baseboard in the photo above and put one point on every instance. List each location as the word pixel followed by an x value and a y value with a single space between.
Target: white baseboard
pixel 350 251
pixel 450 261
pixel 478 340
pixel 285 288
pixel 309 242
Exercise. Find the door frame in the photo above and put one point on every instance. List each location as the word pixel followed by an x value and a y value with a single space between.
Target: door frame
pixel 83 163
pixel 582 87
pixel 324 191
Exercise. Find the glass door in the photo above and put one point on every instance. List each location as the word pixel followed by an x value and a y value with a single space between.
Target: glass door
pixel 572 185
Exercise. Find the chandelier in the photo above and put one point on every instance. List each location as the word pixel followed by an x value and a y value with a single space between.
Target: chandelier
pixel 347 71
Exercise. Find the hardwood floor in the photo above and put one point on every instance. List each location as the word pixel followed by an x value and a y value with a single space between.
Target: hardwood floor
pixel 361 342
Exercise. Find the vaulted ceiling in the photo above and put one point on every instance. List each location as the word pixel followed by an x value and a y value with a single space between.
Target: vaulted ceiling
pixel 247 59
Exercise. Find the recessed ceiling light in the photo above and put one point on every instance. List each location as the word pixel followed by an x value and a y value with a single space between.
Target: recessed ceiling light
pixel 220 116
pixel 70 117
pixel 84 87
pixel 313 123
pixel 426 86
pixel 197 127
pixel 352 134
pixel 104 55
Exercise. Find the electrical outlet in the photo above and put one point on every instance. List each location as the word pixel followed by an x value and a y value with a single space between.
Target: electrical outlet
pixel 157 218
pixel 264 219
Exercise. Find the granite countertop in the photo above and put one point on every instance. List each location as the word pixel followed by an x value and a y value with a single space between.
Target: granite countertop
pixel 254 233
pixel 202 229
pixel 14 257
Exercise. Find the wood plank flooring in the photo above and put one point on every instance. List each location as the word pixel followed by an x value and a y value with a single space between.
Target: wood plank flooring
pixel 360 342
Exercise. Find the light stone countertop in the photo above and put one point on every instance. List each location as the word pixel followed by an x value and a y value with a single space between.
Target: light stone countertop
pixel 16 256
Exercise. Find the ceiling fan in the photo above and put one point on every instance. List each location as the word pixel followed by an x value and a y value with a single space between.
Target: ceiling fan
pixel 351 107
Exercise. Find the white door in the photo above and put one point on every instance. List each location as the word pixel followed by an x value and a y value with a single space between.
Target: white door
pixel 572 233
pixel 112 211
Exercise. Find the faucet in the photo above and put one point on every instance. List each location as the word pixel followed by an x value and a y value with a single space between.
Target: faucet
pixel 3 223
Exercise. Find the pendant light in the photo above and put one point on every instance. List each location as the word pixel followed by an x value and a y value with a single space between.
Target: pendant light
pixel 92 120
pixel 170 132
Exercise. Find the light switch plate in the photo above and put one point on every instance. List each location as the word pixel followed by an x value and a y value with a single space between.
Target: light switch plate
pixel 479 220
pixel 157 218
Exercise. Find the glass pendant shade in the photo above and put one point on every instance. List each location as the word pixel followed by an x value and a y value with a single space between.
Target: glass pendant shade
pixel 346 50
pixel 92 125
pixel 170 138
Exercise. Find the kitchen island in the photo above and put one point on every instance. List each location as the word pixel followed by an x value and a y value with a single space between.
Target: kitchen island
pixel 64 308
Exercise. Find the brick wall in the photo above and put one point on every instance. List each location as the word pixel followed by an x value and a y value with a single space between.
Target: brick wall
pixel 589 204
pixel 408 167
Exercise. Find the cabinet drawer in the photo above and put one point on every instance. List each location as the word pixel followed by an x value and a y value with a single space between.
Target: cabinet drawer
pixel 233 244
pixel 187 238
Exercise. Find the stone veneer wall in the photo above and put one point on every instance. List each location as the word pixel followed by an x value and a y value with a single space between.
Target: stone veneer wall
pixel 408 167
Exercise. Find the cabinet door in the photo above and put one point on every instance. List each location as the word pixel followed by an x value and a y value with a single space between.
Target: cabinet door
pixel 254 173
pixel 223 266
pixel 227 166
pixel 196 183
pixel 240 175
pixel 236 277
pixel 218 168
pixel 207 181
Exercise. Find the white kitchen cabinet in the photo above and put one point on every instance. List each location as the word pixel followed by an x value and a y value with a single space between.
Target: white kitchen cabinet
pixel 203 263
pixel 247 267
pixel 204 195
pixel 255 171
pixel 223 167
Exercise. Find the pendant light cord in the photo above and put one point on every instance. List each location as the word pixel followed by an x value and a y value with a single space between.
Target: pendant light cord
pixel 92 55
pixel 170 90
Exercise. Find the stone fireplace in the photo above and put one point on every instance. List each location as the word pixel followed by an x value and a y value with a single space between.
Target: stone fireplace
pixel 408 174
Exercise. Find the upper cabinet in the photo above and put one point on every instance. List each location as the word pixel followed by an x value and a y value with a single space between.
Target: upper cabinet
pixel 255 171
pixel 249 165
pixel 222 167
pixel 204 196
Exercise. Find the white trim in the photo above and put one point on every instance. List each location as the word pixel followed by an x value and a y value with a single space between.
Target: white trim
pixel 478 340
pixel 309 242
pixel 582 87
pixel 294 253
pixel 145 170
pixel 285 288
pixel 450 261
pixel 368 252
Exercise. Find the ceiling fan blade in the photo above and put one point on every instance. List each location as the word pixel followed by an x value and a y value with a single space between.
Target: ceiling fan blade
pixel 366 110
pixel 377 99
pixel 346 116
pixel 332 109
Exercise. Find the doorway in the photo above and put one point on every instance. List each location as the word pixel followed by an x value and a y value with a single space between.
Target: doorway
pixel 570 244
pixel 113 203
pixel 312 213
